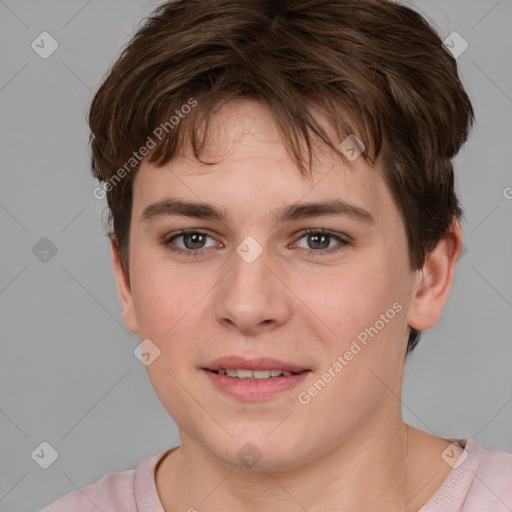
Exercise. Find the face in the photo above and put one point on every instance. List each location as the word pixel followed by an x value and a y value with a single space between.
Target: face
pixel 255 284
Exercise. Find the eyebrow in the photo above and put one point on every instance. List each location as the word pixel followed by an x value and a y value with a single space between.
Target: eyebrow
pixel 296 211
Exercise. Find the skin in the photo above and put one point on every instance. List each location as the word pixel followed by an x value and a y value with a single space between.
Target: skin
pixel 347 449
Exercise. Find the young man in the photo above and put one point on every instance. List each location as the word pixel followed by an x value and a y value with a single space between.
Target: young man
pixel 284 225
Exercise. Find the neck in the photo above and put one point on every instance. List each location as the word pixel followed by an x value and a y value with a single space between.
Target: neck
pixel 369 471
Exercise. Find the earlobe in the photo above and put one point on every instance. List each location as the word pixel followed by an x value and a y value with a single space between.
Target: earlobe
pixel 124 290
pixel 433 284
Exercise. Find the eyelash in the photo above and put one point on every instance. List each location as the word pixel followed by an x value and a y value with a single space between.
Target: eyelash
pixel 310 252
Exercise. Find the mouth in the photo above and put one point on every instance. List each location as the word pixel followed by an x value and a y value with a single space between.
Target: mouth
pixel 239 363
pixel 246 374
pixel 254 379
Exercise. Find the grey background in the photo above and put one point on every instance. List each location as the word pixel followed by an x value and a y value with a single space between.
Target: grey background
pixel 68 373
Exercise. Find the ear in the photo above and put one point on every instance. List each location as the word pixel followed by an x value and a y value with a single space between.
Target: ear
pixel 123 289
pixel 434 280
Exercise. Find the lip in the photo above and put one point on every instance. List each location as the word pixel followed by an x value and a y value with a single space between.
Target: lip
pixel 257 363
pixel 254 390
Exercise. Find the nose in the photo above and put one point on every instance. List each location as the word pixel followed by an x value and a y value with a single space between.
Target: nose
pixel 253 297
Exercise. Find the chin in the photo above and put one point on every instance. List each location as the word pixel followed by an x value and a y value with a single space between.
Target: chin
pixel 261 453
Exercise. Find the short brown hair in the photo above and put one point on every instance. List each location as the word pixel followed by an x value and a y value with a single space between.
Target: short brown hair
pixel 377 61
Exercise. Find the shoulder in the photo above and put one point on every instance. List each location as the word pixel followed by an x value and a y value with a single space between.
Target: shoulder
pixel 112 490
pixel 133 490
pixel 480 481
pixel 493 479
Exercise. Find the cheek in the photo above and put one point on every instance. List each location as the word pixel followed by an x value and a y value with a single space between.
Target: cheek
pixel 359 317
pixel 346 299
pixel 360 377
pixel 172 311
pixel 164 295
pixel 170 314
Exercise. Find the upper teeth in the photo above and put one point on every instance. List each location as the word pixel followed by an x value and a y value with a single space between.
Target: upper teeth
pixel 253 374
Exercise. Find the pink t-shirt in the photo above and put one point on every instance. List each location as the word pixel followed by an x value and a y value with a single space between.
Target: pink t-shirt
pixel 480 482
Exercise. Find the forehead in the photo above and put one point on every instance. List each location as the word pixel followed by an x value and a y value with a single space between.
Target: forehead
pixel 248 168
